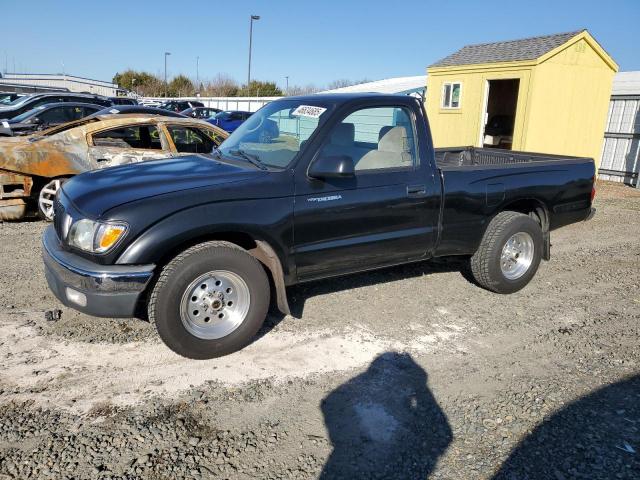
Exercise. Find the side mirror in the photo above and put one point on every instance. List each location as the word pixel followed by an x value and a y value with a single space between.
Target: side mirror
pixel 332 166
pixel 36 121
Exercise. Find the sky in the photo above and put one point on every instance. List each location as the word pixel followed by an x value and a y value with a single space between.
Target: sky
pixel 311 42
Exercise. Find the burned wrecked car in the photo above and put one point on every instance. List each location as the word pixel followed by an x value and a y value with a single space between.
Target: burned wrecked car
pixel 33 168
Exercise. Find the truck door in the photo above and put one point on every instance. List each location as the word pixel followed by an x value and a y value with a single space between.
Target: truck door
pixel 385 214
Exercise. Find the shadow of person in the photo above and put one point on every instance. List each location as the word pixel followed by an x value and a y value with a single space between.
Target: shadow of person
pixel 594 437
pixel 384 423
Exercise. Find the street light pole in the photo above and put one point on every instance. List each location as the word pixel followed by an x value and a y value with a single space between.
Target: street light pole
pixel 253 17
pixel 198 74
pixel 166 85
pixel 286 91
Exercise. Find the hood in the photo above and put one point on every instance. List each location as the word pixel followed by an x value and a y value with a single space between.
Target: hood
pixel 47 157
pixel 95 192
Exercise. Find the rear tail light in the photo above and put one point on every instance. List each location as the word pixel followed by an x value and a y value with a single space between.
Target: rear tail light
pixel 593 188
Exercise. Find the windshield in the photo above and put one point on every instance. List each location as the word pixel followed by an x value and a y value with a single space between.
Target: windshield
pixel 20 100
pixel 275 134
pixel 5 99
pixel 29 113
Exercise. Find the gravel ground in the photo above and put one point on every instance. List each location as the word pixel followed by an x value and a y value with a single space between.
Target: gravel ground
pixel 410 372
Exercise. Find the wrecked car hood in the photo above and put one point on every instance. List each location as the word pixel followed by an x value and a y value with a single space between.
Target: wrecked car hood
pixel 45 157
pixel 97 191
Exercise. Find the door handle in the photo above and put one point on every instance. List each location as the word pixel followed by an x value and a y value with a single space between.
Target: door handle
pixel 416 190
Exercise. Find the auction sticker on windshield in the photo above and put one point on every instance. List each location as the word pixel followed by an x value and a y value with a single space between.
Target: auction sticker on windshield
pixel 309 111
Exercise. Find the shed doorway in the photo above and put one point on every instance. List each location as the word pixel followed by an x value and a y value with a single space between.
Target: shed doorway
pixel 500 113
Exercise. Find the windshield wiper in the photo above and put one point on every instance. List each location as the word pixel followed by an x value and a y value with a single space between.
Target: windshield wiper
pixel 253 159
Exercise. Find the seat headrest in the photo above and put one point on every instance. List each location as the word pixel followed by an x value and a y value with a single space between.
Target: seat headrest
pixel 383 131
pixel 394 140
pixel 343 134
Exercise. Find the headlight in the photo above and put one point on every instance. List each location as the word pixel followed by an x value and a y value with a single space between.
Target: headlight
pixel 95 237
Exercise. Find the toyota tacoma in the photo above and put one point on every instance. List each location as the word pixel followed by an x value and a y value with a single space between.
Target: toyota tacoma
pixel 343 183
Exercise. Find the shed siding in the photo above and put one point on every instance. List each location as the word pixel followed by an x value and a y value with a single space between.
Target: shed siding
pixel 569 102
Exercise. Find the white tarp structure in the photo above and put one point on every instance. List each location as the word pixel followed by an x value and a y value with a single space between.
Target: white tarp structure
pixel 399 85
pixel 621 149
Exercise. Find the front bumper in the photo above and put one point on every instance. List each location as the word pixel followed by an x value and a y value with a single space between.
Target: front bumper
pixel 100 290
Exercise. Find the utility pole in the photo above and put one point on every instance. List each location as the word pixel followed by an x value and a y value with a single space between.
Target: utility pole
pixel 166 85
pixel 286 91
pixel 198 74
pixel 253 17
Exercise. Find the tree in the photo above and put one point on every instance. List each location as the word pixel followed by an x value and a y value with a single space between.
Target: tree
pixel 181 86
pixel 143 83
pixel 343 82
pixel 131 79
pixel 221 86
pixel 302 90
pixel 257 88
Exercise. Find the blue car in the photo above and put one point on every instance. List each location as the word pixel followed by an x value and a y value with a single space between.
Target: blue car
pixel 229 120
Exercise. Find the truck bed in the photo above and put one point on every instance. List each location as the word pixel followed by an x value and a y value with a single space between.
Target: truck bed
pixel 456 157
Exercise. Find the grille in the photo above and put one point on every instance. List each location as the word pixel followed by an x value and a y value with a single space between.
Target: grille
pixel 58 218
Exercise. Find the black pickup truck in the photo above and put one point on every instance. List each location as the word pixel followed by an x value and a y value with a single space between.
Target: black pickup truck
pixel 308 188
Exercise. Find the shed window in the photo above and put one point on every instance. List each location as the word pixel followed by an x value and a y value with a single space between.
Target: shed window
pixel 451 94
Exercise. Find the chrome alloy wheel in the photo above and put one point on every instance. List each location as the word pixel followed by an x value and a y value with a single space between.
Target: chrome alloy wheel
pixel 47 196
pixel 215 304
pixel 517 255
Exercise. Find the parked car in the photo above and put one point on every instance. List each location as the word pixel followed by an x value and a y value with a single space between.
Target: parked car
pixel 123 101
pixel 7 97
pixel 201 112
pixel 140 109
pixel 29 102
pixel 351 183
pixel 180 105
pixel 45 116
pixel 33 168
pixel 150 103
pixel 229 120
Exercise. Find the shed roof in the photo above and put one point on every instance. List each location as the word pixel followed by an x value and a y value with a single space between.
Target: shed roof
pixel 509 51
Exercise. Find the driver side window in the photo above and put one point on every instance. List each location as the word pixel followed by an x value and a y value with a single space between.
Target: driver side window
pixel 375 139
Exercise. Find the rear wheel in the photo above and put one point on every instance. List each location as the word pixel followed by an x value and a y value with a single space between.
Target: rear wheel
pixel 210 300
pixel 509 254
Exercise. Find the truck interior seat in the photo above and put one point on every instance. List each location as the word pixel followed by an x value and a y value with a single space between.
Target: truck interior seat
pixel 393 150
pixel 342 142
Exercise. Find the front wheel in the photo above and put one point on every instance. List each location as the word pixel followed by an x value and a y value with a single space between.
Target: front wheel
pixel 46 196
pixel 509 254
pixel 210 300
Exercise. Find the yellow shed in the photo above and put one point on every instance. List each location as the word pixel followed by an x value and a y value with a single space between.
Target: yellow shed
pixel 545 94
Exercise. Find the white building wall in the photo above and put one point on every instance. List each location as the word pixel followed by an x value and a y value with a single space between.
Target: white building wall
pixel 245 104
pixel 70 82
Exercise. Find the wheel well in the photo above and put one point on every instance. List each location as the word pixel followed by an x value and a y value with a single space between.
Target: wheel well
pixel 243 240
pixel 534 208
pixel 259 249
pixel 539 212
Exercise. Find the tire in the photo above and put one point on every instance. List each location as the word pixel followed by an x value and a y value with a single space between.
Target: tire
pixel 45 198
pixel 202 323
pixel 512 271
